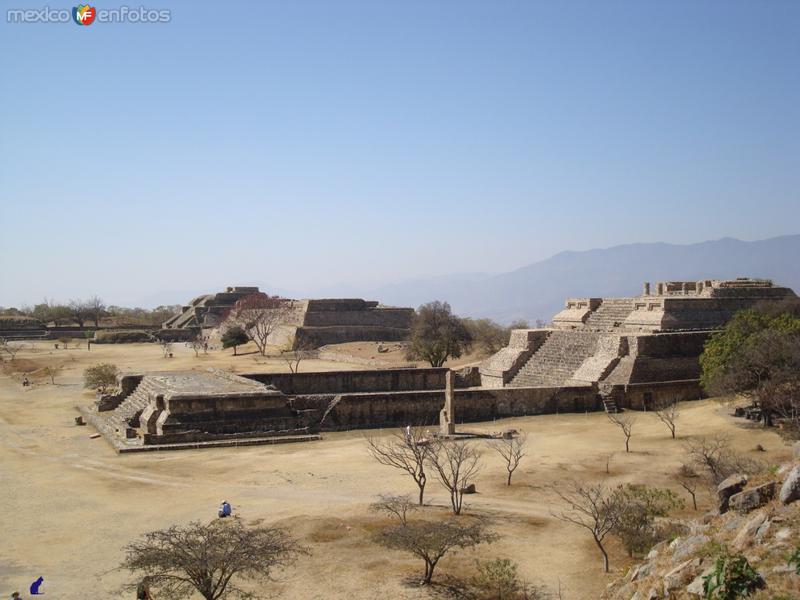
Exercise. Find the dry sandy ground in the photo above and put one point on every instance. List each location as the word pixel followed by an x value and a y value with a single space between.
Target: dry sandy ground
pixel 69 503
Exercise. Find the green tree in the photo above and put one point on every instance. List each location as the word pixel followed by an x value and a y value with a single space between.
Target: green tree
pixel 234 337
pixel 757 355
pixel 100 377
pixel 487 335
pixel 437 334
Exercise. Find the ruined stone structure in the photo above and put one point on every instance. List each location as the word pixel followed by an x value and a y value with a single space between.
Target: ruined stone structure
pixel 308 323
pixel 196 408
pixel 316 323
pixel 599 354
pixel 645 348
pixel 206 311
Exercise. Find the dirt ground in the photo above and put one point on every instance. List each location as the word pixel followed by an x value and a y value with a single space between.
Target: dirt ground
pixel 70 504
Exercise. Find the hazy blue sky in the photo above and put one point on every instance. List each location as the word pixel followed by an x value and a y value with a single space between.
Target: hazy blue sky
pixel 308 144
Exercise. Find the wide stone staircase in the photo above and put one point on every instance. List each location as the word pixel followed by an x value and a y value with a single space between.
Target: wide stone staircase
pixel 610 315
pixel 129 408
pixel 557 359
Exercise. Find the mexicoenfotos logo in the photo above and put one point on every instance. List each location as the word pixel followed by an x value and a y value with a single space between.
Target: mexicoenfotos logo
pixel 83 14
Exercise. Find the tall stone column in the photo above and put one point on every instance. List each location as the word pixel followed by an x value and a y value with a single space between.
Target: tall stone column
pixel 447 424
pixel 646 291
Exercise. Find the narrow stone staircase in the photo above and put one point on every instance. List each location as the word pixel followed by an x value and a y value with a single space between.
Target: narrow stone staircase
pixel 132 406
pixel 557 359
pixel 610 315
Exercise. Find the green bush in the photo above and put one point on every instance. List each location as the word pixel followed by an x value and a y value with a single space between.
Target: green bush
pixel 122 337
pixel 732 578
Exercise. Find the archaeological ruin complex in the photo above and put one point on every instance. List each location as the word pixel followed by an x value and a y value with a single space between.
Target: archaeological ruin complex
pixel 308 323
pixel 599 353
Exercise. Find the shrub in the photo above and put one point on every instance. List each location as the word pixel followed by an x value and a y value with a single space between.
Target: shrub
pixel 100 377
pixel 639 505
pixel 794 560
pixel 122 336
pixel 732 578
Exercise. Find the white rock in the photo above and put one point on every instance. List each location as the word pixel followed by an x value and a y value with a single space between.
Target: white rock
pixel 790 490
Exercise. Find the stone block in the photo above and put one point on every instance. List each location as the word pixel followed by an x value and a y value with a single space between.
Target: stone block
pixel 748 500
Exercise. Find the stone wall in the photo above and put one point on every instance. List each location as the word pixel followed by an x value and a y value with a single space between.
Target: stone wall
pixel 340 382
pixel 334 412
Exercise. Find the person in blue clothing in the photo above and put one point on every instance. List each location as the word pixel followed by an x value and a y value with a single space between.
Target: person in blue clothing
pixel 224 509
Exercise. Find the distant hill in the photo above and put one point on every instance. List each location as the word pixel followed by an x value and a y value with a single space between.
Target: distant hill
pixel 539 289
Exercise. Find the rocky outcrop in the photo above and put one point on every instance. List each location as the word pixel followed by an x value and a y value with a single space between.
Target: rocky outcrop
pixel 762 526
pixel 728 487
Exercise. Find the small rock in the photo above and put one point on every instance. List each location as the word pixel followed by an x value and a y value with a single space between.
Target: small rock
pixel 641 571
pixel 681 575
pixel 709 517
pixel 728 487
pixel 732 521
pixel 790 490
pixel 470 489
pixel 751 499
pixel 696 587
pixel 746 534
pixel 762 531
pixel 783 534
pixel 688 546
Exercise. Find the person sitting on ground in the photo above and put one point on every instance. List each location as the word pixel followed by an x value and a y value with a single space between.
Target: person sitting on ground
pixel 224 510
pixel 16 596
pixel 25 382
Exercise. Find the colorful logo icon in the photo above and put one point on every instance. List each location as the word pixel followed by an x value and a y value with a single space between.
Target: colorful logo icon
pixel 83 14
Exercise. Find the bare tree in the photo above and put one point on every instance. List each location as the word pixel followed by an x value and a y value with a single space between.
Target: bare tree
pixel 260 315
pixel 79 311
pixel 295 352
pixel 689 480
pixel 714 456
pixel 512 450
pixel 607 460
pixel 166 347
pixel 210 559
pixel 592 508
pixel 625 422
pixel 455 465
pixel 668 414
pixel 95 308
pixel 396 506
pixel 10 348
pixel 430 541
pixel 407 450
pixel 197 343
pixel 51 371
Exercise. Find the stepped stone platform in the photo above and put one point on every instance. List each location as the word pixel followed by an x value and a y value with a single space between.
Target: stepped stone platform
pixel 636 351
pixel 307 323
pixel 193 409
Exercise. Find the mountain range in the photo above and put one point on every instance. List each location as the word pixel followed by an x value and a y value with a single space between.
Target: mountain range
pixel 538 290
